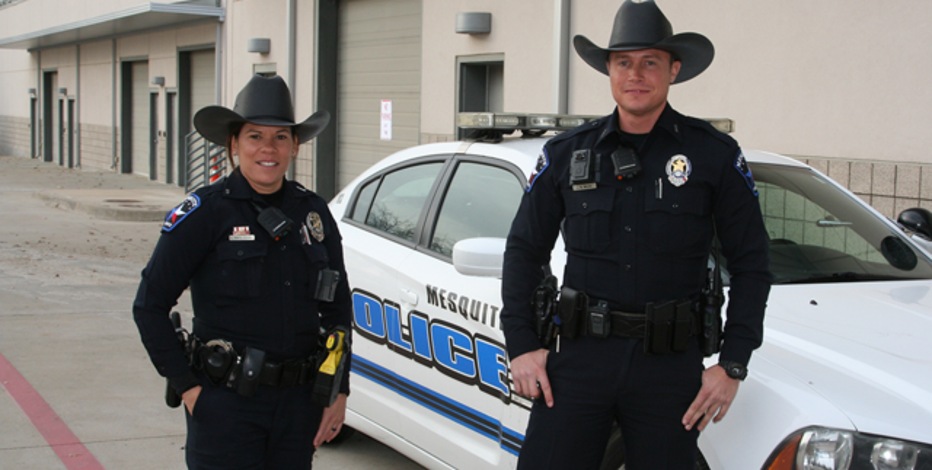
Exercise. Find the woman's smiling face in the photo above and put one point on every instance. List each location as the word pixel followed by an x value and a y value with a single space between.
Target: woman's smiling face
pixel 264 153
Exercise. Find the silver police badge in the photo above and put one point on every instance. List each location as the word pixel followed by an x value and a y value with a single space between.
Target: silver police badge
pixel 315 226
pixel 678 170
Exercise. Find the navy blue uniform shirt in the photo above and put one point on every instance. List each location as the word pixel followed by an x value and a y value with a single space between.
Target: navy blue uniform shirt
pixel 642 239
pixel 245 287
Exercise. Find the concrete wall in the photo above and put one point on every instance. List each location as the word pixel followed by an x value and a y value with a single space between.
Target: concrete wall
pixel 247 19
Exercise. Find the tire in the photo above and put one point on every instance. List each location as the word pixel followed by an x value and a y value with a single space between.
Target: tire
pixel 614 457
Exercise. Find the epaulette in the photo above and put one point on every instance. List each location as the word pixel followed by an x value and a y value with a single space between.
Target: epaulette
pixel 706 127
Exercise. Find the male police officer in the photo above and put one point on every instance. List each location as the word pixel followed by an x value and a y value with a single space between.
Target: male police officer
pixel 639 194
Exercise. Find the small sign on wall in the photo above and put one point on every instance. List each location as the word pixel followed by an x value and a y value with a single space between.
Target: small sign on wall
pixel 386 127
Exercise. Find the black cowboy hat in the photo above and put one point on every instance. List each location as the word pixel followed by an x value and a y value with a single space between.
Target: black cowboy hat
pixel 263 101
pixel 639 24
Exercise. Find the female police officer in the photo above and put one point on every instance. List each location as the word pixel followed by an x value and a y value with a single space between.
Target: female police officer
pixel 264 262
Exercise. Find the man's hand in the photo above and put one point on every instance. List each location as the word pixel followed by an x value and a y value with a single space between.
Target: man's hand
pixel 332 421
pixel 529 371
pixel 715 397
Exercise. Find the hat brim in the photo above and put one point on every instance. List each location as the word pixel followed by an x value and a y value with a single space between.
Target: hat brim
pixel 216 122
pixel 693 50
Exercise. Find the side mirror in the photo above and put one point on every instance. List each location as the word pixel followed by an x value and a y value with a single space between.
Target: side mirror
pixel 918 220
pixel 479 256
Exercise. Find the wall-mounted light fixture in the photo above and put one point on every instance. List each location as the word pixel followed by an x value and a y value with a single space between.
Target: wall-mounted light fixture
pixel 260 45
pixel 473 22
pixel 32 92
pixel 62 91
pixel 158 81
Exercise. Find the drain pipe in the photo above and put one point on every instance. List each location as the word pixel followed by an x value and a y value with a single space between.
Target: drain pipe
pixel 291 77
pixel 561 49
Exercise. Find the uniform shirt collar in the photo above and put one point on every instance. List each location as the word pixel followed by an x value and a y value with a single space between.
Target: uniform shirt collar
pixel 669 121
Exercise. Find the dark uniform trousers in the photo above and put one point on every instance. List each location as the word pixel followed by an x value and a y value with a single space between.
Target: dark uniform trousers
pixel 596 381
pixel 270 431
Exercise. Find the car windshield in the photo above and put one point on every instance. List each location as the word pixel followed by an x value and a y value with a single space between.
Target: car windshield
pixel 820 234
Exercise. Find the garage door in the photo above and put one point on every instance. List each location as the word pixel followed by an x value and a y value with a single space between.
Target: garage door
pixel 379 59
pixel 140 126
pixel 202 81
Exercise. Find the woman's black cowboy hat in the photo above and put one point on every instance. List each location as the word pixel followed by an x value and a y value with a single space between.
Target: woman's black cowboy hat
pixel 263 101
pixel 639 24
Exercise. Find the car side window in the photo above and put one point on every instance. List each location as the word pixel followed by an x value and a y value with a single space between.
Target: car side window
pixel 480 201
pixel 393 203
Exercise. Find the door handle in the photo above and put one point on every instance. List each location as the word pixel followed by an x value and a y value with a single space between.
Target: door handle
pixel 409 297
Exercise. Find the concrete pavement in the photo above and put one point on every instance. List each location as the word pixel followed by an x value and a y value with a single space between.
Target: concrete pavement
pixel 80 391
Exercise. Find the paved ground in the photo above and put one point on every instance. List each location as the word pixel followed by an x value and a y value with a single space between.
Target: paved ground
pixel 72 244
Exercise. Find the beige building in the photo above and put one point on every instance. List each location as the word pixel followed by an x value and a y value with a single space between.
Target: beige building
pixel 113 84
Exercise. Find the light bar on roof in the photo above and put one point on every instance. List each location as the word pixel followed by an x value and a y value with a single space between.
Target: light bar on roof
pixel 546 122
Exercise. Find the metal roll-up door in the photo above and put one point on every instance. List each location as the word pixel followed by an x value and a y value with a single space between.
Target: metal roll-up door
pixel 379 59
pixel 202 81
pixel 140 117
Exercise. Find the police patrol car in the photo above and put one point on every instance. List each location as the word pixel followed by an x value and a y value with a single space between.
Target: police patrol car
pixel 842 381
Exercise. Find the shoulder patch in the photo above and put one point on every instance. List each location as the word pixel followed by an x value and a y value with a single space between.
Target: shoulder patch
pixel 176 215
pixel 742 166
pixel 543 162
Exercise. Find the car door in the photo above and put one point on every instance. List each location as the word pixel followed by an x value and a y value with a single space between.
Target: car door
pixel 465 372
pixel 380 233
pixel 429 346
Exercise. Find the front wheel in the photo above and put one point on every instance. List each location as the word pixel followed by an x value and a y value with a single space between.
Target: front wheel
pixel 614 458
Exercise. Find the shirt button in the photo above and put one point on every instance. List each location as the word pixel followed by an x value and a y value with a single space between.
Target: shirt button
pixel 629 189
pixel 627 228
pixel 287 283
pixel 676 206
pixel 627 267
pixel 585 205
pixel 239 253
pixel 284 247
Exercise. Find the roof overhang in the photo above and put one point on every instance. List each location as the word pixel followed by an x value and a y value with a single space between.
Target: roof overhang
pixel 135 20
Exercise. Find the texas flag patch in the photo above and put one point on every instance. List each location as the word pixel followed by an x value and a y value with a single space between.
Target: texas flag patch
pixel 176 215
pixel 542 163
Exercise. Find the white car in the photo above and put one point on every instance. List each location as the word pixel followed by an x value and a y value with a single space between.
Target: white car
pixel 842 381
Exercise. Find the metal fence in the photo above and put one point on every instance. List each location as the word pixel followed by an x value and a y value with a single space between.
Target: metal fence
pixel 205 162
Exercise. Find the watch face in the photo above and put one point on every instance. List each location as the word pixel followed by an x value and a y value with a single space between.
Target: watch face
pixel 735 370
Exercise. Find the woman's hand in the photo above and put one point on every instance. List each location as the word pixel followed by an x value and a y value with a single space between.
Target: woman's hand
pixel 332 421
pixel 190 398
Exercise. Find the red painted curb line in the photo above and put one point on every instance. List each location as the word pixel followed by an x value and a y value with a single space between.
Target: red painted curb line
pixel 59 437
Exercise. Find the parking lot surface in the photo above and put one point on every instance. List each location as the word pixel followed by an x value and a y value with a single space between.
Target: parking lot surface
pixel 80 391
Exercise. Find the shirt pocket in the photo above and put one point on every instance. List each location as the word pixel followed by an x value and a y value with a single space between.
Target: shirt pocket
pixel 241 267
pixel 588 224
pixel 679 224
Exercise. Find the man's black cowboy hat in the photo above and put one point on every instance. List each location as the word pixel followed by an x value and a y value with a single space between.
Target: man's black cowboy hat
pixel 639 24
pixel 263 101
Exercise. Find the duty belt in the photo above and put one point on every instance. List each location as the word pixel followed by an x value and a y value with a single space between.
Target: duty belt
pixel 223 365
pixel 603 322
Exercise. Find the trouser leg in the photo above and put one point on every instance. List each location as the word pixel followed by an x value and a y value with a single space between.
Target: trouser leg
pixel 656 395
pixel 584 377
pixel 291 442
pixel 226 431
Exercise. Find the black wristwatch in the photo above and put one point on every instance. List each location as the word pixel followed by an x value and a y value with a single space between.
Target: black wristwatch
pixel 735 370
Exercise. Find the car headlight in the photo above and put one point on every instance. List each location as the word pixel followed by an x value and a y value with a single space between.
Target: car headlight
pixel 835 449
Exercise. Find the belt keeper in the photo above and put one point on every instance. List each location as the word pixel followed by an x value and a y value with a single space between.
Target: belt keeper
pixel 600 320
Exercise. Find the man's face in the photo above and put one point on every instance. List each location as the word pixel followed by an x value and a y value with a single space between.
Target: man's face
pixel 640 80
